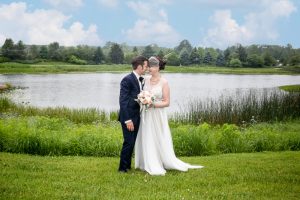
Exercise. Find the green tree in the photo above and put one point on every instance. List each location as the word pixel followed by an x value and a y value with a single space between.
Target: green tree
pixel 207 58
pixel 85 52
pixel 253 49
pixel 116 54
pixel 255 61
pixel 195 57
pixel 8 49
pixel 295 60
pixel 135 50
pixel 33 52
pixel 227 55
pixel 67 52
pixel 43 53
pixel 161 54
pixel 53 51
pixel 20 50
pixel 269 60
pixel 184 45
pixel 184 58
pixel 148 51
pixel 213 52
pixel 128 57
pixel 220 60
pixel 201 52
pixel 235 62
pixel 173 59
pixel 241 52
pixel 98 56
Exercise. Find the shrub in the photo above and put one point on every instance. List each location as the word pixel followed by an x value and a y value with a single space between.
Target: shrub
pixel 73 59
pixel 235 62
pixel 4 59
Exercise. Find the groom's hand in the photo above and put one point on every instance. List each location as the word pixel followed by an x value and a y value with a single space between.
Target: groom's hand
pixel 130 126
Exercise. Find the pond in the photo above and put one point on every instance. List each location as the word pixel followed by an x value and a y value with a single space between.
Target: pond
pixel 101 90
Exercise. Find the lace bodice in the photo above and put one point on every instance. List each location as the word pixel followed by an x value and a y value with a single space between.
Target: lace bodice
pixel 156 89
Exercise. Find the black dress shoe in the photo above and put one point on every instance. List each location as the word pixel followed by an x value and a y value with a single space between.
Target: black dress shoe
pixel 123 170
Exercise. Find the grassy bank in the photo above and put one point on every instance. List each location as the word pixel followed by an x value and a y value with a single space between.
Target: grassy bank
pixel 52 67
pixel 290 88
pixel 58 136
pixel 5 87
pixel 233 176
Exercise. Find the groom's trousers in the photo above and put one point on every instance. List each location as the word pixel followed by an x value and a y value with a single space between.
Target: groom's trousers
pixel 128 146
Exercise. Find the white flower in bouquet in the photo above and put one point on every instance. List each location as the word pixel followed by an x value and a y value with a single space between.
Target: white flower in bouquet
pixel 145 99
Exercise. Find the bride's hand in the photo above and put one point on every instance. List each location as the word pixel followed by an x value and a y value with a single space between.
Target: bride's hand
pixel 151 105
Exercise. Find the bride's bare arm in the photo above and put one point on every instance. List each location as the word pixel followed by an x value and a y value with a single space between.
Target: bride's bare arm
pixel 165 95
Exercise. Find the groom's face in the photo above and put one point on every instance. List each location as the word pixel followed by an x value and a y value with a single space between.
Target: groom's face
pixel 144 67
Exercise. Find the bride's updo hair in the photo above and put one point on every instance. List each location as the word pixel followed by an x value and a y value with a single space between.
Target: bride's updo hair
pixel 162 63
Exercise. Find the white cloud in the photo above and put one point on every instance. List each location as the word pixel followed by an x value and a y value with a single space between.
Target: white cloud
pixel 258 26
pixel 43 27
pixel 162 2
pixel 227 3
pixel 226 30
pixel 152 25
pixel 143 10
pixel 159 32
pixel 109 3
pixel 65 4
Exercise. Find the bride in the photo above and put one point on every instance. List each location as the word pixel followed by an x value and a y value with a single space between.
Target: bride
pixel 154 151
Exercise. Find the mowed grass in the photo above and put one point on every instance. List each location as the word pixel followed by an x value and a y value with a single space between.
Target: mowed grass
pixel 265 175
pixel 60 67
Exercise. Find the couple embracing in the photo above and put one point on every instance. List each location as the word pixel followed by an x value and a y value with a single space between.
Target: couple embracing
pixel 147 129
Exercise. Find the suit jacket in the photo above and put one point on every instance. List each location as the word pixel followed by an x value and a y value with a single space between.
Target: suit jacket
pixel 129 108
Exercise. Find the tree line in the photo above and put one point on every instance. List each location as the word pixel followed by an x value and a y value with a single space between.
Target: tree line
pixel 184 54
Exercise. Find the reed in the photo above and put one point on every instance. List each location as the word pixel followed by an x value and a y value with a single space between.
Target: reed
pixel 82 115
pixel 241 109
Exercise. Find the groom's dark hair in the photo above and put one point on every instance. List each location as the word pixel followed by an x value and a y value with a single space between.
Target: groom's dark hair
pixel 139 60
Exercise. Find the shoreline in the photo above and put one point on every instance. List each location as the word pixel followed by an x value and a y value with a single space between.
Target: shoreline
pixel 17 68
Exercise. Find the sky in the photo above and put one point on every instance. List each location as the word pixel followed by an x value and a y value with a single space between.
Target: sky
pixel 205 23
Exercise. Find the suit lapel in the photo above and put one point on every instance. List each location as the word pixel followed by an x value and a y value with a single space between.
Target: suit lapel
pixel 137 85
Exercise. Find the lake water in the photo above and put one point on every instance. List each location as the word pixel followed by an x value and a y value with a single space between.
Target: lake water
pixel 101 90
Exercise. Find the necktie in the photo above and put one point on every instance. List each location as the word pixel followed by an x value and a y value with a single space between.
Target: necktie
pixel 141 80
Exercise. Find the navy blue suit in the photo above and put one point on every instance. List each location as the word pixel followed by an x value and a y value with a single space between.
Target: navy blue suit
pixel 129 110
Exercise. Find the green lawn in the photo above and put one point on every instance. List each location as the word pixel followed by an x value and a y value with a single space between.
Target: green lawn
pixel 59 67
pixel 265 175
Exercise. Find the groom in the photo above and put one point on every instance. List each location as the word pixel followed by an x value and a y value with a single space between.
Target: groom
pixel 129 115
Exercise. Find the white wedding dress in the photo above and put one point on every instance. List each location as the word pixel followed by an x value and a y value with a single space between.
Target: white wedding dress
pixel 154 151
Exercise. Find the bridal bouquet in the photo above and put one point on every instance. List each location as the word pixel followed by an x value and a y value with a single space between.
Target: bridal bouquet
pixel 145 99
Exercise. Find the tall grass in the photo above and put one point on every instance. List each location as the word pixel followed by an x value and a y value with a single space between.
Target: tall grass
pixel 57 136
pixel 83 115
pixel 242 108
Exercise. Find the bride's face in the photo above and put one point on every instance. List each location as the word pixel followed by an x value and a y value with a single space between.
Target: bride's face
pixel 153 70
